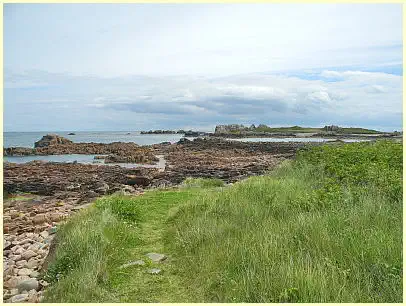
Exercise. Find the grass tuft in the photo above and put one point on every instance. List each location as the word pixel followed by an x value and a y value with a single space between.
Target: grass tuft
pixel 202 183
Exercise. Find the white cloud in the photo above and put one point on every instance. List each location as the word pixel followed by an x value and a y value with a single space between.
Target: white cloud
pixel 97 105
pixel 200 39
pixel 319 96
pixel 376 89
pixel 184 101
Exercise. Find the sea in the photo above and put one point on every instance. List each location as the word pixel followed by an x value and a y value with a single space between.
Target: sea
pixel 27 139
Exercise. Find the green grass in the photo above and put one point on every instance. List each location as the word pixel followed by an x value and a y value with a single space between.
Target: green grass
pixel 116 230
pixel 352 130
pixel 326 227
pixel 299 129
pixel 289 129
pixel 202 183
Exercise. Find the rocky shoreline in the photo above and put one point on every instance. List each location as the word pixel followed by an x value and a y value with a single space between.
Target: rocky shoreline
pixel 43 194
pixel 115 152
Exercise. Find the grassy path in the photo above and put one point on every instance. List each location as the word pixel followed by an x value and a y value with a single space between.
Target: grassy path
pixel 115 231
pixel 134 284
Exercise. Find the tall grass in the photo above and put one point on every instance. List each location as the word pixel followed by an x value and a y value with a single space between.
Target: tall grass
pixel 89 248
pixel 95 243
pixel 326 227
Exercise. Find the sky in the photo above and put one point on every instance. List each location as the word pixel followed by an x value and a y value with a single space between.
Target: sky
pixel 128 67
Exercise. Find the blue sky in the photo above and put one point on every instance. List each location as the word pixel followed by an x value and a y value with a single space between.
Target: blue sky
pixel 147 66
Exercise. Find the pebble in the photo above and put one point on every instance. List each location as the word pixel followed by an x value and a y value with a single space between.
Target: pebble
pixel 19 298
pixel 16 257
pixel 21 263
pixel 25 241
pixel 13 213
pixel 154 271
pixel 29 284
pixel 31 264
pixel 55 217
pixel 33 297
pixel 25 271
pixel 14 281
pixel 34 247
pixel 156 257
pixel 19 251
pixel 44 234
pixel 28 254
pixel 6 245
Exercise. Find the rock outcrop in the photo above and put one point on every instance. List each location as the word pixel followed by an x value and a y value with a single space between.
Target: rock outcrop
pixel 230 128
pixel 68 179
pixel 52 140
pixel 332 128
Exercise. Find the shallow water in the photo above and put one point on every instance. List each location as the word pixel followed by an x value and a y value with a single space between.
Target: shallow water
pixel 66 158
pixel 27 139
pixel 80 158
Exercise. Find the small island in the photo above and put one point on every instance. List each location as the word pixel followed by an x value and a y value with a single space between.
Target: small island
pixel 188 133
pixel 262 130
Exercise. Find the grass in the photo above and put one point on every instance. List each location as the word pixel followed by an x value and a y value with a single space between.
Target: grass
pixel 116 230
pixel 326 227
pixel 299 129
pixel 352 130
pixel 202 183
pixel 289 129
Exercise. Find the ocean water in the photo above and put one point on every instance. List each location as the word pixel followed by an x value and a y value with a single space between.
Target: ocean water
pixel 27 139
pixel 66 158
pixel 80 158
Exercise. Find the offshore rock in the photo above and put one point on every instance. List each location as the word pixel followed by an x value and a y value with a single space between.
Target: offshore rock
pixel 51 140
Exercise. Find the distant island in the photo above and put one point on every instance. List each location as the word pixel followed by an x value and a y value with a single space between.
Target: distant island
pixel 262 130
pixel 189 133
pixel 163 132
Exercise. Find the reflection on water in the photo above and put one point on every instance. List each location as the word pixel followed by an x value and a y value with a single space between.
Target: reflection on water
pixel 66 158
pixel 80 158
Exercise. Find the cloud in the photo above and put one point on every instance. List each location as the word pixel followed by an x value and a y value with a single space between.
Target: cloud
pixel 319 96
pixel 376 89
pixel 139 102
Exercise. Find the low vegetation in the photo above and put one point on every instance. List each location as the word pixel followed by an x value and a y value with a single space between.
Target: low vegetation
pixel 299 129
pixel 326 227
